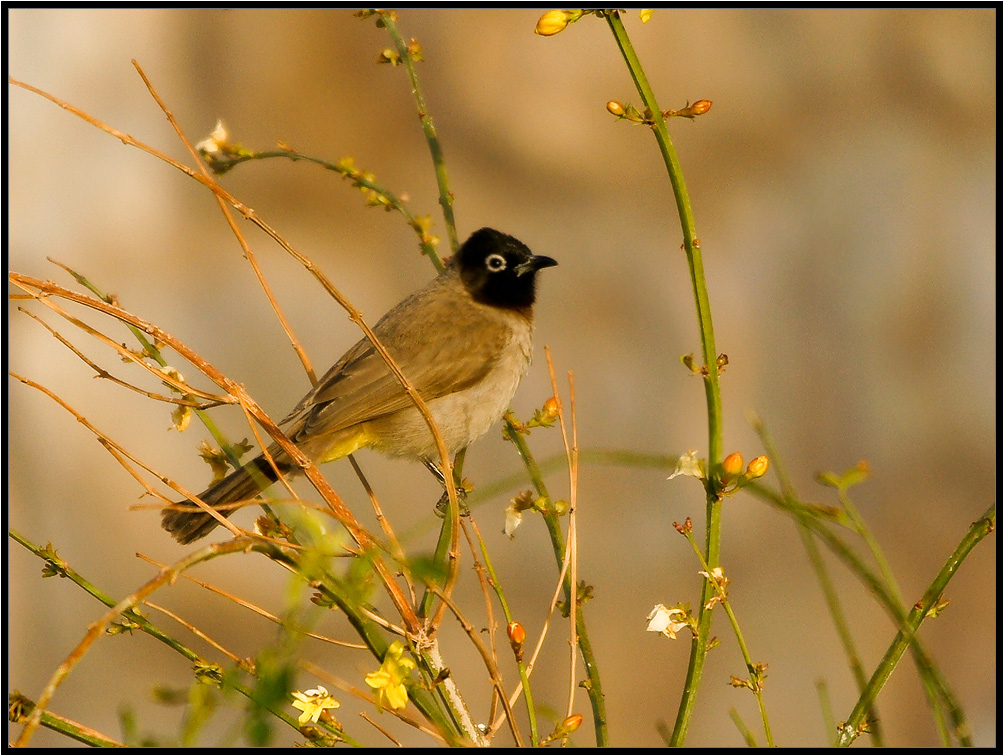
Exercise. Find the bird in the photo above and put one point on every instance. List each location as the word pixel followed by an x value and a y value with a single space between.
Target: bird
pixel 464 341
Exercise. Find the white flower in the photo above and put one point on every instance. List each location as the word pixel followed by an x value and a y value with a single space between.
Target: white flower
pixel 717 575
pixel 661 620
pixel 689 465
pixel 513 518
pixel 214 141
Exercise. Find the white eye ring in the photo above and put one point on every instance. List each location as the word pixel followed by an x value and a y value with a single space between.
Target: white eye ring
pixel 495 262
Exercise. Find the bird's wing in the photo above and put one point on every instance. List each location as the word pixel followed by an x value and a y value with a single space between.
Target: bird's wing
pixel 360 386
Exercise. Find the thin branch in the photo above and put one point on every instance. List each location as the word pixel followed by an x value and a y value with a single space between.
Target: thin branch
pixel 113 447
pixel 242 663
pixel 354 315
pixel 857 721
pixel 97 629
pixel 248 254
pixel 100 372
pixel 257 609
pixel 341 512
pixel 570 561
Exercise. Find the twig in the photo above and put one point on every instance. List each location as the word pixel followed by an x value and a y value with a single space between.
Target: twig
pixel 127 354
pixel 97 629
pixel 756 671
pixel 593 684
pixel 570 560
pixel 354 315
pixel 524 669
pixel 242 663
pixel 341 512
pixel 380 729
pixel 486 656
pixel 119 451
pixel 19 707
pixel 100 372
pixel 857 721
pixel 257 609
pixel 435 148
pixel 395 545
pixel 248 254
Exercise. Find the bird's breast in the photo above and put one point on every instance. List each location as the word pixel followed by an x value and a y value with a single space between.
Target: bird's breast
pixel 465 415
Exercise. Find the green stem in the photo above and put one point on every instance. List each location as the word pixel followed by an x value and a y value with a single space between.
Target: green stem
pixel 521 666
pixel 856 722
pixel 435 148
pixel 858 523
pixel 222 163
pixel 692 248
pixel 829 723
pixel 925 664
pixel 592 684
pixel 822 575
pixel 743 729
pixel 19 707
pixel 756 677
pixel 445 538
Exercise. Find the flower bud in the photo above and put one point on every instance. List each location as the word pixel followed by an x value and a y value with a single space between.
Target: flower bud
pixel 732 465
pixel 516 633
pixel 552 22
pixel 517 637
pixel 549 412
pixel 570 725
pixel 615 108
pixel 685 528
pixel 700 107
pixel 757 467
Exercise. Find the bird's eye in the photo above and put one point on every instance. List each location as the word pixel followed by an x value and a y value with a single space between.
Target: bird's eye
pixel 495 262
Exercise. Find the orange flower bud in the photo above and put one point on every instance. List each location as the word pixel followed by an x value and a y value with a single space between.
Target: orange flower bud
pixel 517 636
pixel 516 633
pixel 570 725
pixel 550 409
pixel 615 108
pixel 757 467
pixel 700 107
pixel 732 465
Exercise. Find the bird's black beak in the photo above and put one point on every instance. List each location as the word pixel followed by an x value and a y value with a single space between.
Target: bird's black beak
pixel 534 263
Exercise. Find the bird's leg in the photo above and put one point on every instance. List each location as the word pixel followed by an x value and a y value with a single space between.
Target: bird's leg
pixel 443 504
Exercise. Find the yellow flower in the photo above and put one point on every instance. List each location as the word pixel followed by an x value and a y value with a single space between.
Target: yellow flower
pixel 312 703
pixel 662 620
pixel 646 14
pixel 389 680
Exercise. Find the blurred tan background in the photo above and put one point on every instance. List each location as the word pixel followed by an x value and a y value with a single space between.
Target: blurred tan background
pixel 845 197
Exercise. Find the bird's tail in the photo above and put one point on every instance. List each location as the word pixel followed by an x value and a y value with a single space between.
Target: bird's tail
pixel 192 524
